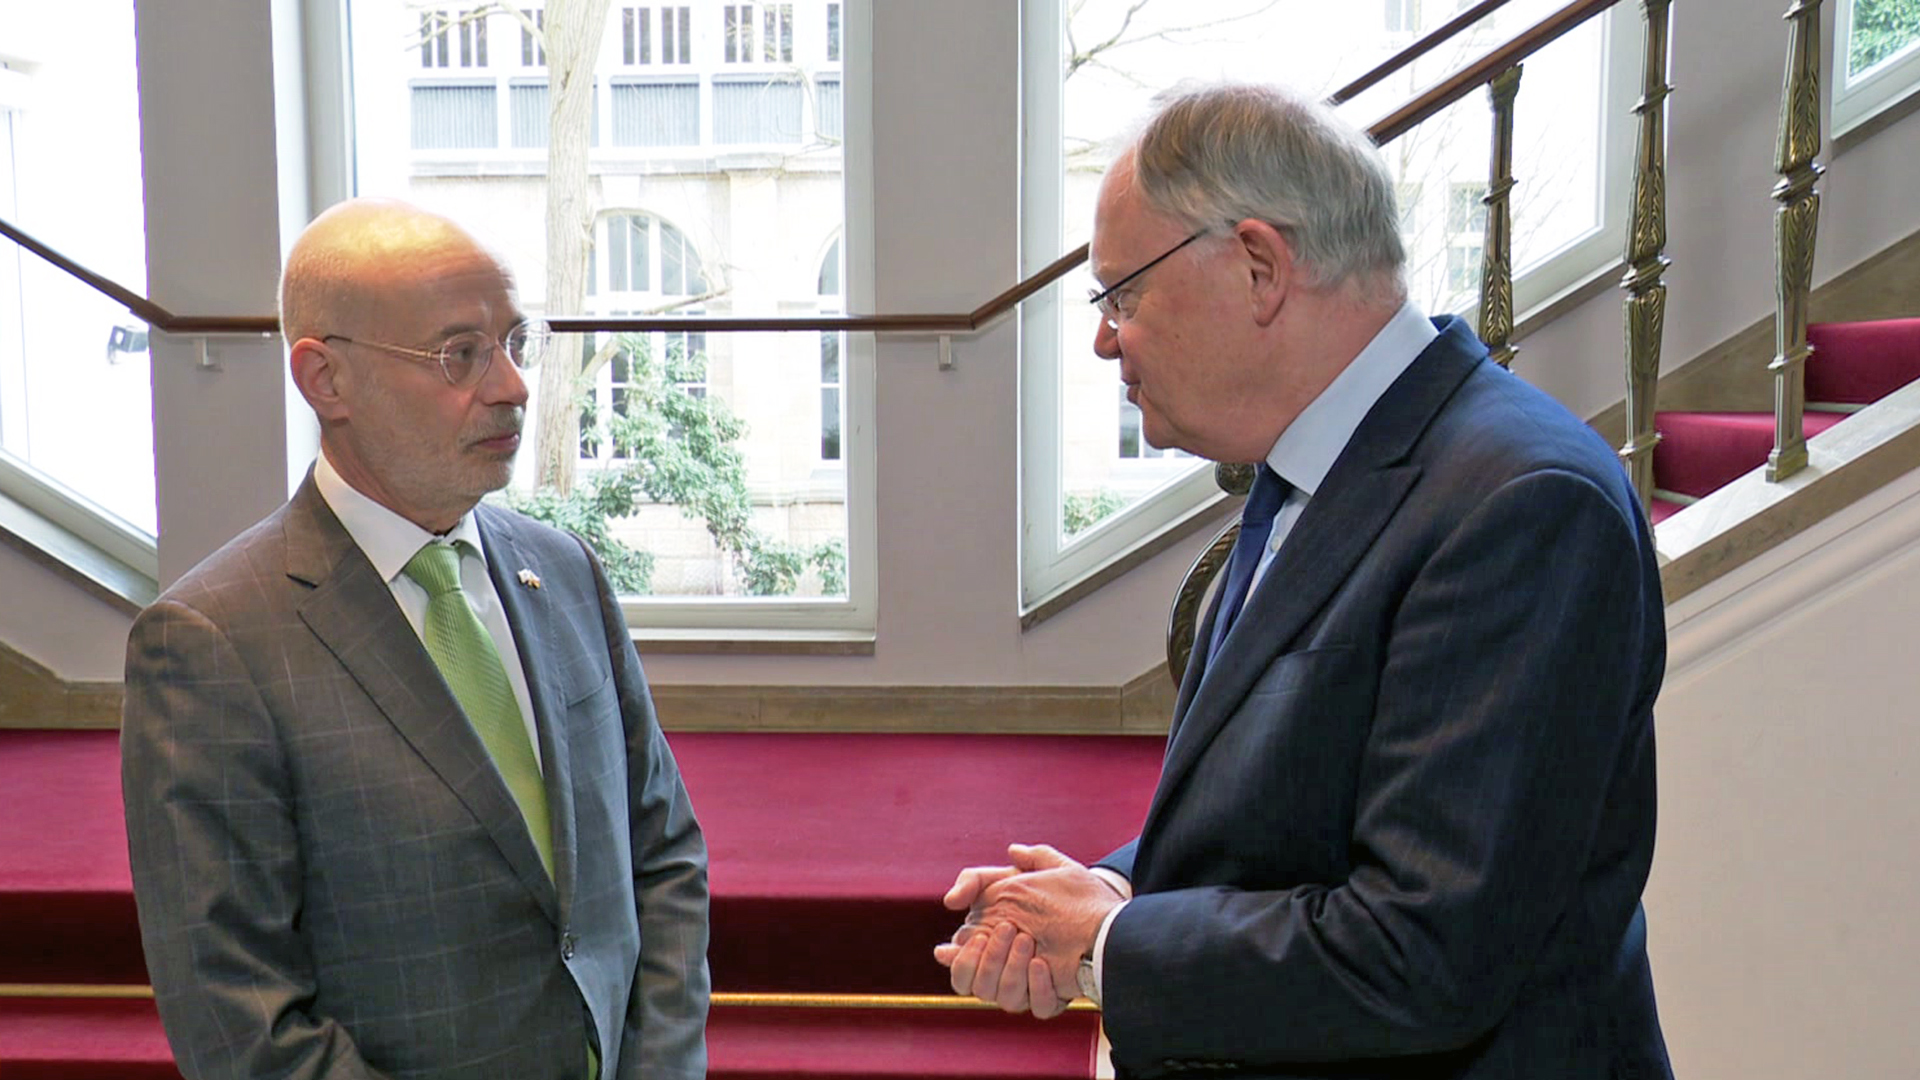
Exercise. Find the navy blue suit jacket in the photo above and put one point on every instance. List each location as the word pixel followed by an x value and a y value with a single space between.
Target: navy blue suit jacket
pixel 1407 811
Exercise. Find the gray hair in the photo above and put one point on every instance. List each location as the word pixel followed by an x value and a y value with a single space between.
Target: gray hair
pixel 1224 153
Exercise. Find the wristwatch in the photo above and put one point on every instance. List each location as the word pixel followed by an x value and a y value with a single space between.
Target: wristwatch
pixel 1089 986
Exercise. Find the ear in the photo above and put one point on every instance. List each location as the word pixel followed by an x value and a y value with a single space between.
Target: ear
pixel 1269 267
pixel 321 376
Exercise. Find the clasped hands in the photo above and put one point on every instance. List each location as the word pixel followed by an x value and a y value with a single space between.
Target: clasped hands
pixel 1027 927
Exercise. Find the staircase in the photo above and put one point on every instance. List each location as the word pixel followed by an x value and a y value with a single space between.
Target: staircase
pixel 829 854
pixel 1853 365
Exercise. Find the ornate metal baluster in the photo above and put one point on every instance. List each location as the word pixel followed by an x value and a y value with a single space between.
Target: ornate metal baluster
pixel 1496 259
pixel 1646 303
pixel 1795 222
pixel 1183 622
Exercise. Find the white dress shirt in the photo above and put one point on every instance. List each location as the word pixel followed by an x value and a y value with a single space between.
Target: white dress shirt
pixel 389 541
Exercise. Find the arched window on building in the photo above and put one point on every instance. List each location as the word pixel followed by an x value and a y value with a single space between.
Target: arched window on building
pixel 639 265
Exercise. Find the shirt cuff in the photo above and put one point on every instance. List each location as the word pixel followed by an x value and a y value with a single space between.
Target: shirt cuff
pixel 1100 953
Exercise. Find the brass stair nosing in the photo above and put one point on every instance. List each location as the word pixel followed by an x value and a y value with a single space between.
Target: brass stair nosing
pixel 722 999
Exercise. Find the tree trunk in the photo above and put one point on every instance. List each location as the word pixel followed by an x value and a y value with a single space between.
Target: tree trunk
pixel 573 32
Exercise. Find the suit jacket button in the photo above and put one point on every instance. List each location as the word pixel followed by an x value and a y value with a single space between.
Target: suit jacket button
pixel 566 946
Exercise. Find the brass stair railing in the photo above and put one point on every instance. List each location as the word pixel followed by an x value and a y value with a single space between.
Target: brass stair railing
pixel 1795 222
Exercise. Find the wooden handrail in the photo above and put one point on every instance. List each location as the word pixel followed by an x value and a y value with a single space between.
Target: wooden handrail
pixel 1387 129
pixel 144 309
pixel 1416 50
pixel 1484 70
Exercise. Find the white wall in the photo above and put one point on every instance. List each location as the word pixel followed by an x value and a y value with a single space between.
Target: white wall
pixel 44 616
pixel 1780 910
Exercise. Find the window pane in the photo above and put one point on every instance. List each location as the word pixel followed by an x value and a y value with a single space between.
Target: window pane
pixel 454 117
pixel 756 112
pixel 656 114
pixel 1881 30
pixel 529 116
pixel 75 403
pixel 716 441
pixel 1107 87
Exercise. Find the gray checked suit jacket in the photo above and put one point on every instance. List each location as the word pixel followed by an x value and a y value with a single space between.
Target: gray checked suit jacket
pixel 332 878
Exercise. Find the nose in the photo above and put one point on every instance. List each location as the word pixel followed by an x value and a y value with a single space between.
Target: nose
pixel 1106 340
pixel 503 383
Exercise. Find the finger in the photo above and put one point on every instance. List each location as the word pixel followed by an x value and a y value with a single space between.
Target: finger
pixel 965 960
pixel 967 886
pixel 993 960
pixel 1037 857
pixel 1046 1003
pixel 945 953
pixel 1012 996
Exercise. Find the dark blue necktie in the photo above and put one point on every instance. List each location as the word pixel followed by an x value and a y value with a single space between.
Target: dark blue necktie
pixel 1256 525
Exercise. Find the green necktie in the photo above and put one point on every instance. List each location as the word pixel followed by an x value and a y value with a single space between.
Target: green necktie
pixel 471 665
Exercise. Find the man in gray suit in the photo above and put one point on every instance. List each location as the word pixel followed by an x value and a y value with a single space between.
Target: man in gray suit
pixel 343 867
pixel 1406 811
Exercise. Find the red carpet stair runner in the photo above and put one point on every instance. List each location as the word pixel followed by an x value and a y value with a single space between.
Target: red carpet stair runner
pixel 1853 364
pixel 829 855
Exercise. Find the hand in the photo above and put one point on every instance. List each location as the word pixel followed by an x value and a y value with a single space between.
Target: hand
pixel 1041 914
pixel 997 965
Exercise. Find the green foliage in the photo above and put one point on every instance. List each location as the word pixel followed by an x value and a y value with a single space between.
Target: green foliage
pixel 1880 29
pixel 586 510
pixel 1084 510
pixel 681 449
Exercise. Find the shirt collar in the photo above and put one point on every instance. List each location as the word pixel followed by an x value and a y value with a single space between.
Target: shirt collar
pixel 1306 451
pixel 387 539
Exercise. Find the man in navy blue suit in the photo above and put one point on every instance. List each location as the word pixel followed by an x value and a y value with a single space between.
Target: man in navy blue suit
pixel 1407 808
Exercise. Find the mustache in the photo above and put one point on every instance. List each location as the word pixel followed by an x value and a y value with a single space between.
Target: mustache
pixel 505 420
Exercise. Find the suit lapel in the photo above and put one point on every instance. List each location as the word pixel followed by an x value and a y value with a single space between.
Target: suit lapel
pixel 530 613
pixel 1361 493
pixel 353 613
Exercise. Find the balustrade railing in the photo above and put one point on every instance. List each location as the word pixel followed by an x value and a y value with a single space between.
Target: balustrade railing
pixel 1795 222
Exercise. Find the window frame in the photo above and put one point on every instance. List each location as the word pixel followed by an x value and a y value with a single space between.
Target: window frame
pixel 1052 564
pixel 840 620
pixel 1883 87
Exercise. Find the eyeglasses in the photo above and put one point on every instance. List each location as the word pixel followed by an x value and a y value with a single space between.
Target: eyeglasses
pixel 463 358
pixel 1109 303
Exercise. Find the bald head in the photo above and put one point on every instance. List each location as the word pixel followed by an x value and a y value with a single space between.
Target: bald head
pixel 342 266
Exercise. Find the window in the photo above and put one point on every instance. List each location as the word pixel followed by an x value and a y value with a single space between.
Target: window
pixel 649 267
pixel 1080 449
pixel 453 39
pixel 456 114
pixel 638 36
pixel 1403 16
pixel 699 172
pixel 76 434
pixel 533 46
pixel 774 23
pixel 1877 58
pixel 1466 241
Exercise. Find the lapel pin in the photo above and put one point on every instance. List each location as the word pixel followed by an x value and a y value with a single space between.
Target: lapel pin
pixel 530 579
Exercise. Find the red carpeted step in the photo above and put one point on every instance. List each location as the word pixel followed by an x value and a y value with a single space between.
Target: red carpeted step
pixel 898 1044
pixel 66 897
pixel 829 853
pixel 1700 452
pixel 1861 362
pixel 90 1039
pixel 107 1039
